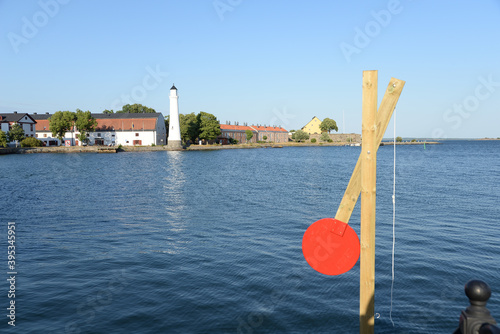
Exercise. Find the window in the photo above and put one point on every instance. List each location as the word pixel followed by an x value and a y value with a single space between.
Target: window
pixel 31 127
pixel 37 135
pixel 137 134
pixel 45 135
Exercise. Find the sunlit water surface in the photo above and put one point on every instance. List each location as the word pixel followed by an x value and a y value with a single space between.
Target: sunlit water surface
pixel 210 242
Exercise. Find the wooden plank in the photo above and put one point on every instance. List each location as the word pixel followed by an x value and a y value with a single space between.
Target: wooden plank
pixel 368 203
pixel 384 115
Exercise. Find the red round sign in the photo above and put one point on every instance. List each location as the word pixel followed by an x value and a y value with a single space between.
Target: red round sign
pixel 330 246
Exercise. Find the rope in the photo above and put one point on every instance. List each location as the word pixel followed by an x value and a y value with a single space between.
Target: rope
pixel 393 218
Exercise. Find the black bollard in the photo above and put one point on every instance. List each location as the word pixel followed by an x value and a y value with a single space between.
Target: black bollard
pixel 489 329
pixel 476 315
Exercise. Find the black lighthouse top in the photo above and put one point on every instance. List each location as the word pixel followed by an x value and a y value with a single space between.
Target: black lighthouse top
pixel 173 87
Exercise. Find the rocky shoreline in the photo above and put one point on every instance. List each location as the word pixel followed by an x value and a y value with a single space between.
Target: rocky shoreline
pixel 105 149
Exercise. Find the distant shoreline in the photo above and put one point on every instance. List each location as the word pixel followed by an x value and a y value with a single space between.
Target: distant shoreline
pixel 105 149
pixel 388 143
pixel 291 144
pixel 259 145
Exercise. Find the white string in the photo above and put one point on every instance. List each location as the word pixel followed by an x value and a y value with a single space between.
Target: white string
pixel 393 218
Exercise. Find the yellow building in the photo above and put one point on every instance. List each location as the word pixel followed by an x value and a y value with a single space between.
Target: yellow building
pixel 313 126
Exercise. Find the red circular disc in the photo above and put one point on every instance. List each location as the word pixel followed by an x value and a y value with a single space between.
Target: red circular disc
pixel 330 246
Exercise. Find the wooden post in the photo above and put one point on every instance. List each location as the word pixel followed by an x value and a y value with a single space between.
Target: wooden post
pixel 368 196
pixel 384 115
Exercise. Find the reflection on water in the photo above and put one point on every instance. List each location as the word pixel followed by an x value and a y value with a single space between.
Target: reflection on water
pixel 174 181
pixel 174 201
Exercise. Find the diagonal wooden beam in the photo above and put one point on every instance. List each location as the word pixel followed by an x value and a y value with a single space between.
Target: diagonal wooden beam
pixel 384 115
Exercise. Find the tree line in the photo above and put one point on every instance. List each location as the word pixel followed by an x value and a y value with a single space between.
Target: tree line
pixel 131 108
pixel 201 126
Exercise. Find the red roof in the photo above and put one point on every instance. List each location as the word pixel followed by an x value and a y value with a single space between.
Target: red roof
pixel 125 124
pixel 252 128
pixel 42 125
pixel 111 124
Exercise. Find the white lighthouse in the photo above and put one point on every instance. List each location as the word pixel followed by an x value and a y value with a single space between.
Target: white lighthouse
pixel 174 129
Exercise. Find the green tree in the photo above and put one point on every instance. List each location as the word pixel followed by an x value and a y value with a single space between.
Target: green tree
pixel 84 123
pixel 16 133
pixel 328 124
pixel 31 142
pixel 60 123
pixel 190 128
pixel 3 139
pixel 209 126
pixel 399 139
pixel 136 109
pixel 300 135
pixel 108 111
pixel 249 135
pixel 324 136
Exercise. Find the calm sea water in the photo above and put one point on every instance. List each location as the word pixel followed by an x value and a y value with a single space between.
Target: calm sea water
pixel 210 242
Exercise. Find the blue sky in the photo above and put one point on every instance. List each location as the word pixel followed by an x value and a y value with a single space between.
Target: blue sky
pixel 275 62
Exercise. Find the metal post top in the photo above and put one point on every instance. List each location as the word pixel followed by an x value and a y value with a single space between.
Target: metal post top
pixel 478 292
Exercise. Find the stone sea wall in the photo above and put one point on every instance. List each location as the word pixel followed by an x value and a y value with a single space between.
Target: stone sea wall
pixel 337 137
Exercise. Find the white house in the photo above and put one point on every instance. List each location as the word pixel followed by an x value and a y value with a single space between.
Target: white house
pixel 24 120
pixel 126 129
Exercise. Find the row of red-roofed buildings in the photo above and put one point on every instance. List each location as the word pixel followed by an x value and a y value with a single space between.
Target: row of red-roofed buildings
pixel 275 134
